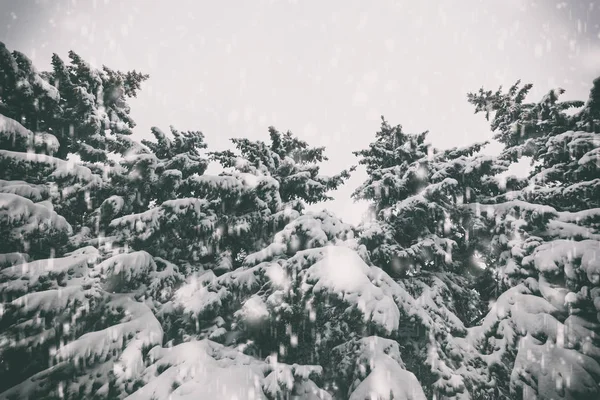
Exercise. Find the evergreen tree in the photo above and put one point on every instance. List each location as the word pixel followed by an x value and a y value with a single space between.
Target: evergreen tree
pixel 292 166
pixel 82 322
pixel 234 213
pixel 84 109
pixel 418 236
pixel 304 301
pixel 74 319
pixel 267 291
pixel 541 241
pixel 25 95
pixel 125 270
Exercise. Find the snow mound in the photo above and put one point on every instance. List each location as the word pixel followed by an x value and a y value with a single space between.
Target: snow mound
pixel 194 297
pixel 59 169
pixel 344 274
pixel 24 217
pixel 378 370
pixel 138 329
pixel 308 231
pixel 546 371
pixel 552 257
pixel 207 370
pixel 27 277
pixel 16 137
pixel 30 191
pixel 122 269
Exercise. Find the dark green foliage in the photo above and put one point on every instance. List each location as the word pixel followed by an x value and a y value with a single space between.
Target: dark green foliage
pixel 417 192
pixel 288 160
pixel 75 102
pixel 534 236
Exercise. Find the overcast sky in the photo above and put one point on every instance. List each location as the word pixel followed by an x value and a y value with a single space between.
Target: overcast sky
pixel 326 70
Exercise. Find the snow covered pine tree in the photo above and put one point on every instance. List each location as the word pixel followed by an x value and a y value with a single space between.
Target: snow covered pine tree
pixel 86 288
pixel 127 272
pixel 297 299
pixel 541 240
pixel 418 236
pixel 68 330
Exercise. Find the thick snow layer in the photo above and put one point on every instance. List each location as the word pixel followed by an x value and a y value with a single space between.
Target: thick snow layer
pixel 119 271
pixel 116 204
pixel 234 186
pixel 555 359
pixel 340 270
pixel 25 277
pixel 573 141
pixel 434 299
pixel 591 157
pixel 277 275
pixel 208 370
pixel 46 87
pixel 562 255
pixel 61 169
pixel 388 381
pixel 323 272
pixel 253 310
pixel 146 224
pixel 53 300
pixel 282 377
pixel 10 259
pixel 220 183
pixel 378 370
pixel 138 329
pixel 243 280
pixel 116 351
pixel 310 230
pixel 520 169
pixel 548 371
pixel 205 292
pixel 344 274
pixel 567 230
pixel 581 217
pixel 163 281
pixel 22 139
pixel 191 370
pixel 194 297
pixel 66 298
pixel 25 217
pixel 518 207
pixel 308 390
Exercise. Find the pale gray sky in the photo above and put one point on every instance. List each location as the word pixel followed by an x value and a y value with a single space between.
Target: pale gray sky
pixel 325 70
